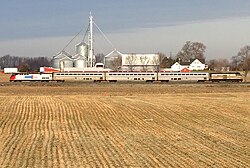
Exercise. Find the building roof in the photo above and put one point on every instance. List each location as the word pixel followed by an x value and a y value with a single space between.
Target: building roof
pixel 62 55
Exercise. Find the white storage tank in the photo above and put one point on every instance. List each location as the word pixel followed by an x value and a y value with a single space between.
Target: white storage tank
pixel 68 63
pixel 80 62
pixel 62 56
pixel 82 49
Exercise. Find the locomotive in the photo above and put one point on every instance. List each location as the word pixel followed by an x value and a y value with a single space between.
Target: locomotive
pixel 115 76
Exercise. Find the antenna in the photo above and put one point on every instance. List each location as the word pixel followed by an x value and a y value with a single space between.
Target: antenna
pixel 91 53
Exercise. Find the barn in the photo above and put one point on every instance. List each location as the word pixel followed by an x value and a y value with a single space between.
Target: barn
pixel 132 61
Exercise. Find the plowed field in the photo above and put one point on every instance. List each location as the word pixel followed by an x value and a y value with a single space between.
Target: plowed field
pixel 125 125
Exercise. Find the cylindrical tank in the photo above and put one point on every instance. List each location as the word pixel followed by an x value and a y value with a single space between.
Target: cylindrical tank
pixel 68 63
pixel 62 56
pixel 56 63
pixel 80 63
pixel 82 49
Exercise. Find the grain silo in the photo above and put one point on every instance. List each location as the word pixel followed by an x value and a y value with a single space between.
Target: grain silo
pixel 64 57
pixel 82 49
pixel 80 61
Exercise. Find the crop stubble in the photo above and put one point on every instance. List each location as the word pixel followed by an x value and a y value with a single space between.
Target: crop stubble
pixel 99 126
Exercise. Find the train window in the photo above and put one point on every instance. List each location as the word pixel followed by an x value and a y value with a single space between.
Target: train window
pixel 135 74
pixel 66 74
pixel 127 74
pixel 135 78
pixel 119 74
pixel 123 74
pixel 195 74
pixel 90 74
pixel 152 74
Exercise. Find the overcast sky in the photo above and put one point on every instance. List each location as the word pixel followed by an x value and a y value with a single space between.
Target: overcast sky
pixel 44 27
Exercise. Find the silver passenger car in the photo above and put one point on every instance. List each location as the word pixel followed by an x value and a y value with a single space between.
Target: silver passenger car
pixel 79 76
pixel 131 76
pixel 183 76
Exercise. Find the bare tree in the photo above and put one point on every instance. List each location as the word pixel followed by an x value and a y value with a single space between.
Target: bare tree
pixel 159 61
pixel 116 63
pixel 192 50
pixel 219 64
pixel 33 63
pixel 130 61
pixel 244 59
pixel 156 61
pixel 234 64
pixel 144 61
pixel 99 58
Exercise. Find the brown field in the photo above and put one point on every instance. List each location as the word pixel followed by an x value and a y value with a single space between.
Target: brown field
pixel 124 125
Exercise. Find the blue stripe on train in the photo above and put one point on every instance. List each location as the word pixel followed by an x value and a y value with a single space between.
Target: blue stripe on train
pixel 28 77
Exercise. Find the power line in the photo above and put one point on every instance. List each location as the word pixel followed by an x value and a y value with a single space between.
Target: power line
pixel 73 38
pixel 106 38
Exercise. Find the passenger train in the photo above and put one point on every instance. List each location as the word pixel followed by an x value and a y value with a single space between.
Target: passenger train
pixel 113 76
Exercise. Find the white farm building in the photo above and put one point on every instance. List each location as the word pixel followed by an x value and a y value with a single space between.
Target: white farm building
pixel 193 65
pixel 132 62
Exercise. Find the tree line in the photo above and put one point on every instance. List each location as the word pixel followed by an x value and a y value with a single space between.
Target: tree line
pixel 24 64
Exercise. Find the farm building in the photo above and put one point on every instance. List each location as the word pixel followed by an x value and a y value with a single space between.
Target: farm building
pixel 128 62
pixel 193 65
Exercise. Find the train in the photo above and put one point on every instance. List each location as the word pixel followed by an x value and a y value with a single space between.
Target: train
pixel 114 76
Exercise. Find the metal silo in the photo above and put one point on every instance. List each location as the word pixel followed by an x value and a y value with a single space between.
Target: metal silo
pixel 82 49
pixel 80 62
pixel 56 62
pixel 62 56
pixel 68 62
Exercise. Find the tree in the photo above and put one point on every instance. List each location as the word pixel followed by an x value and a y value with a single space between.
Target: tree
pixel 160 61
pixel 165 62
pixel 144 61
pixel 244 59
pixel 33 63
pixel 116 63
pixel 24 68
pixel 192 50
pixel 99 58
pixel 218 64
pixel 130 61
pixel 234 64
